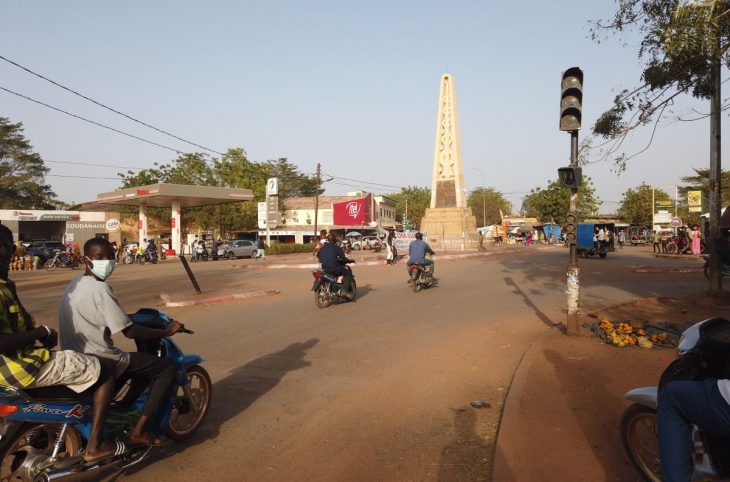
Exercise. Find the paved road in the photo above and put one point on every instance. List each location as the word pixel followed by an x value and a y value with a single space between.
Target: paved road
pixel 373 390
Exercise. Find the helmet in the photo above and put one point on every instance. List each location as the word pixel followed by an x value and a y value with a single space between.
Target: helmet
pixel 419 235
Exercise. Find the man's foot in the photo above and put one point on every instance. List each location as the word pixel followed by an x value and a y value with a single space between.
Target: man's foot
pixel 107 449
pixel 146 438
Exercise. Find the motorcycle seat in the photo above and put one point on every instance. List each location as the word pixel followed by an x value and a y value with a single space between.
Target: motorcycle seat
pixel 60 393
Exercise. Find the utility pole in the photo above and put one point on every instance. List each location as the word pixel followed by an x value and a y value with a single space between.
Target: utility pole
pixel 715 165
pixel 316 200
pixel 571 106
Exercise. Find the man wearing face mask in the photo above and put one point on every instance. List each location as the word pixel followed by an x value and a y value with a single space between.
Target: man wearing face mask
pixel 90 314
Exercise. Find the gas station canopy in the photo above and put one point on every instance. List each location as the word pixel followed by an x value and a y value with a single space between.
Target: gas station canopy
pixel 163 195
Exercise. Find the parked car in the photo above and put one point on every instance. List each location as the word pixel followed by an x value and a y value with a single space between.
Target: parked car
pixel 371 242
pixel 45 250
pixel 243 248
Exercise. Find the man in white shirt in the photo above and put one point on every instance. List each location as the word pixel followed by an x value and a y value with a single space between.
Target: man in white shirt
pixel 89 314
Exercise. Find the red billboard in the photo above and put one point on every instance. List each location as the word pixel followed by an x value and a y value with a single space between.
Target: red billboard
pixel 352 213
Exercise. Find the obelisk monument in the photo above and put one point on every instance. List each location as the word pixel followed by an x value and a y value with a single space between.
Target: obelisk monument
pixel 449 223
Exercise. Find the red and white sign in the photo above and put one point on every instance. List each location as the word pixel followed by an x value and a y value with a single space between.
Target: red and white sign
pixel 352 213
pixel 172 223
pixel 676 222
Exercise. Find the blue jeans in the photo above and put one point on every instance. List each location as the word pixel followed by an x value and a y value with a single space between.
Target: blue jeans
pixel 681 404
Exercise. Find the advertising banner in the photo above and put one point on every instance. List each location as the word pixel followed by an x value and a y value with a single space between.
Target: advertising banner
pixel 352 213
pixel 403 241
pixel 694 201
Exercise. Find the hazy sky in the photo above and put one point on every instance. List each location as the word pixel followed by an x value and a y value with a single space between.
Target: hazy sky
pixel 352 85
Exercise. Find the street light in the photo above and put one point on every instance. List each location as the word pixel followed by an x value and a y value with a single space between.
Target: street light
pixel 484 196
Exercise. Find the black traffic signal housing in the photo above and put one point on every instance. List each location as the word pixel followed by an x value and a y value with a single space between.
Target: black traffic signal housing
pixel 570 176
pixel 571 226
pixel 571 99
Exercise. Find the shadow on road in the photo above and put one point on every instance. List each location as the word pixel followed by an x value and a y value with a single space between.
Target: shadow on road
pixel 238 391
pixel 465 458
pixel 518 291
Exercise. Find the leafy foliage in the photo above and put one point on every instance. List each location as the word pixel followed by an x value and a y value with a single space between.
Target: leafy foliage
pixel 680 40
pixel 636 205
pixel 289 248
pixel 416 199
pixel 551 203
pixel 22 172
pixel 491 201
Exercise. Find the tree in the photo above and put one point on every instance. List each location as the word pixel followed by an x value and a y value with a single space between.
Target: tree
pixel 22 172
pixel 551 204
pixel 679 44
pixel 636 205
pixel 494 202
pixel 415 199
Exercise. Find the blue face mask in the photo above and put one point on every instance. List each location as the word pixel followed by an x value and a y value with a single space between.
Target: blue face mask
pixel 102 268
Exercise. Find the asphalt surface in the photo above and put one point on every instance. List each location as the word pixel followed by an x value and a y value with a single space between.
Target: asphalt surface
pixel 379 389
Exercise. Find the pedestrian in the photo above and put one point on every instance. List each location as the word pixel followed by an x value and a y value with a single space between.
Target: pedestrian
pixel 621 238
pixel 696 240
pixel 656 240
pixel 664 240
pixel 261 253
pixel 481 241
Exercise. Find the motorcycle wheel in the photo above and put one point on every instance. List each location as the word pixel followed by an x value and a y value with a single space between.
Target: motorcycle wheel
pixel 639 436
pixel 142 259
pixel 154 260
pixel 50 265
pixel 75 264
pixel 353 292
pixel 184 419
pixel 230 255
pixel 416 283
pixel 128 259
pixel 33 438
pixel 602 255
pixel 671 248
pixel 320 296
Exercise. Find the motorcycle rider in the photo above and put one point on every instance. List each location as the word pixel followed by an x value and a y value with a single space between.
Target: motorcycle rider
pixel 151 248
pixel 90 314
pixel 333 261
pixel 25 365
pixel 417 255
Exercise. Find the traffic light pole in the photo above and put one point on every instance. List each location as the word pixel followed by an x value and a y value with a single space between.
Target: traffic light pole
pixel 573 289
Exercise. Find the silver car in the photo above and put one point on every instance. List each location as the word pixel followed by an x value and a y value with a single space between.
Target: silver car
pixel 243 248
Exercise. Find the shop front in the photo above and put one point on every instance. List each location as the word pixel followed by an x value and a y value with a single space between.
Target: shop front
pixel 62 226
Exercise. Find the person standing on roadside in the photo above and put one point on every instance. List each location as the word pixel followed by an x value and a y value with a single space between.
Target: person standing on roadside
pixel 261 254
pixel 655 239
pixel 664 240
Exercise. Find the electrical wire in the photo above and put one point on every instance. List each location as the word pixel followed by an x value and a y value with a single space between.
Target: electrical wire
pixel 91 121
pixel 83 177
pixel 107 107
pixel 97 165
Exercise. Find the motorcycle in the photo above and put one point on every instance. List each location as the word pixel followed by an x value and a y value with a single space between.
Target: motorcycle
pixel 328 288
pixel 639 424
pixel 64 260
pixel 421 277
pixel 724 269
pixel 201 254
pixel 149 256
pixel 45 429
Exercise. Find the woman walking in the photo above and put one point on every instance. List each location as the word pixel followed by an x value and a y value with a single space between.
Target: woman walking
pixel 696 239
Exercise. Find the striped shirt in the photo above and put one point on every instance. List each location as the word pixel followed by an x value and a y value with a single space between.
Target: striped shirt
pixel 20 368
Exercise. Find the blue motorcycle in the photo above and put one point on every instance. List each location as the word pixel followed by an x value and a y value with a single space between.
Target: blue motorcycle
pixel 44 430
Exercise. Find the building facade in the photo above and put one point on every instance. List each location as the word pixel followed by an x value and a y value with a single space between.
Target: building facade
pixel 63 226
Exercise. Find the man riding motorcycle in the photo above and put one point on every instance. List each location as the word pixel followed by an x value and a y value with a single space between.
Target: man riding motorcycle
pixel 417 255
pixel 334 261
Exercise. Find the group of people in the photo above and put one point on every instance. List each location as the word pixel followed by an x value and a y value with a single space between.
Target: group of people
pixel 334 261
pixel 89 361
pixel 688 240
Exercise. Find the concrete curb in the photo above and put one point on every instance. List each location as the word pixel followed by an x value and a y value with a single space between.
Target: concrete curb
pixel 216 299
pixel 669 270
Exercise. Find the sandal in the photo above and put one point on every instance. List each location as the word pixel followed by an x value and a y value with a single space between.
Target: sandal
pixel 149 440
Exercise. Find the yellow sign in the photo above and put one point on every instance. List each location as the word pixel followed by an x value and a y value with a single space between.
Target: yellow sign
pixel 694 201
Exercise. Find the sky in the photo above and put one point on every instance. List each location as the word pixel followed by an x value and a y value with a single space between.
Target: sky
pixel 351 85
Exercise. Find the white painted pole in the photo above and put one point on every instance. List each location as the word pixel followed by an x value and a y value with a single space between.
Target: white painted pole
pixel 175 228
pixel 142 225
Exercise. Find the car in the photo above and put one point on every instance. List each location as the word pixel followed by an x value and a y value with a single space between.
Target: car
pixel 371 242
pixel 242 248
pixel 45 250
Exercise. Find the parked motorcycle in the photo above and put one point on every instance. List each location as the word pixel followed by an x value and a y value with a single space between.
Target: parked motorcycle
pixel 45 429
pixel 639 420
pixel 64 260
pixel 725 269
pixel 328 289
pixel 421 277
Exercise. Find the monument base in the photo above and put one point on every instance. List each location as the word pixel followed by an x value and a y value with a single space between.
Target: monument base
pixel 450 229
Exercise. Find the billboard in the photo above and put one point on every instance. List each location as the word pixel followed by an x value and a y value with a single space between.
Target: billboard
pixel 355 212
pixel 694 201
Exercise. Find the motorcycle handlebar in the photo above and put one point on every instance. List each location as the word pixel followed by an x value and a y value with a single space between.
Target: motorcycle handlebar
pixel 185 330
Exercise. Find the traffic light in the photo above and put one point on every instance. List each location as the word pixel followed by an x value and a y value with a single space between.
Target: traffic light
pixel 571 99
pixel 570 227
pixel 570 176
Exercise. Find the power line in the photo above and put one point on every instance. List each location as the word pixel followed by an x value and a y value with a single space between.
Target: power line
pixel 107 107
pixel 97 165
pixel 83 177
pixel 91 121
